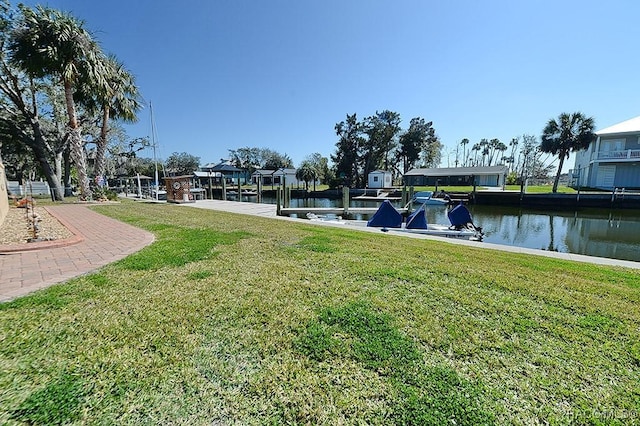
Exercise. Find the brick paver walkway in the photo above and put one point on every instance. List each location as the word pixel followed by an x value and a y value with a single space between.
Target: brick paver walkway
pixel 98 241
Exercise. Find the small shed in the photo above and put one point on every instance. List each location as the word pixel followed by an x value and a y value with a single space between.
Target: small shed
pixel 179 189
pixel 379 179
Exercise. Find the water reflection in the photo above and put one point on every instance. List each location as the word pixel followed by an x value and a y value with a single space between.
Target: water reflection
pixel 614 234
pixel 593 232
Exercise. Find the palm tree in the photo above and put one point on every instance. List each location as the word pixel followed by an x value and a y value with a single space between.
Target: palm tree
pixel 476 148
pixel 568 133
pixel 464 142
pixel 493 146
pixel 48 42
pixel 307 173
pixel 116 98
pixel 513 144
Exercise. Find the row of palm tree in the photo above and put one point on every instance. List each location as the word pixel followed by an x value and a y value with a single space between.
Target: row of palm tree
pixel 561 136
pixel 489 152
pixel 51 45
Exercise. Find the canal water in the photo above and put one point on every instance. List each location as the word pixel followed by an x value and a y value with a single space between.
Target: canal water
pixel 593 232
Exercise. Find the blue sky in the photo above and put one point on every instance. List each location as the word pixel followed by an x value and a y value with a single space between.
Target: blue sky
pixel 225 74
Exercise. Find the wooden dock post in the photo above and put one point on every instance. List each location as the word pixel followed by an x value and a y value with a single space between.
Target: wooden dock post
pixel 224 188
pixel 345 200
pixel 411 194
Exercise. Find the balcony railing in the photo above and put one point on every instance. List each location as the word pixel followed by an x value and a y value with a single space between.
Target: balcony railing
pixel 627 154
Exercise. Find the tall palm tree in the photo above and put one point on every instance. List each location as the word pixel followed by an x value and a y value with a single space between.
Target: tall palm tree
pixel 49 42
pixel 476 148
pixel 568 133
pixel 115 97
pixel 513 144
pixel 464 142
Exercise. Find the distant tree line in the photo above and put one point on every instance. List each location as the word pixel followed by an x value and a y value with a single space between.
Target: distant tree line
pixel 378 142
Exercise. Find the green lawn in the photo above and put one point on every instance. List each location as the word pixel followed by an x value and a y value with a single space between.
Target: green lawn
pixel 230 319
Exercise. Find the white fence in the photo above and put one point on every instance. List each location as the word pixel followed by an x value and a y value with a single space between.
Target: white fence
pixel 29 188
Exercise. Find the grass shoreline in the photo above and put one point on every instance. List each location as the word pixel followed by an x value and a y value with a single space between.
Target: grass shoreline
pixel 241 320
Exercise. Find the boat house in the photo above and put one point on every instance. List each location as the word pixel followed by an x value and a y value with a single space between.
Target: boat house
pixel 612 160
pixel 494 176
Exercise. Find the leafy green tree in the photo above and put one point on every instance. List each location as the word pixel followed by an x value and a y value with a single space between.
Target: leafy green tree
pixel 382 130
pixel 568 133
pixel 20 100
pixel 321 166
pixel 50 43
pixel 125 159
pixel 420 138
pixel 17 158
pixel 248 159
pixel 182 163
pixel 431 153
pixel 347 156
pixel 272 160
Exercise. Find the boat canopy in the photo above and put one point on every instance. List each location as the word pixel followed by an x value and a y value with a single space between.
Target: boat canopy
pixel 417 219
pixel 386 217
pixel 459 216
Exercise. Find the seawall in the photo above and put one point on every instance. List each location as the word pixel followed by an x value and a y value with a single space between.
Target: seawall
pixel 557 201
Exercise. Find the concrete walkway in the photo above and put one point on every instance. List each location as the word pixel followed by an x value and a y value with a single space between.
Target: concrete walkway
pixel 97 241
pixel 269 210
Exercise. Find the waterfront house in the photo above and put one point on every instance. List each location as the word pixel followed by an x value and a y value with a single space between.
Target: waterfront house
pixel 277 177
pixel 379 179
pixel 231 173
pixel 612 160
pixel 494 176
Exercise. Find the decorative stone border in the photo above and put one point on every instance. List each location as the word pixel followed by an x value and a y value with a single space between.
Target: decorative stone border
pixel 43 245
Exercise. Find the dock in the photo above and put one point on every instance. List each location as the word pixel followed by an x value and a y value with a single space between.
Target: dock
pixel 380 196
pixel 302 211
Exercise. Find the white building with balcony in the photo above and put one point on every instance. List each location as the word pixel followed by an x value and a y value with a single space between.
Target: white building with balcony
pixel 612 160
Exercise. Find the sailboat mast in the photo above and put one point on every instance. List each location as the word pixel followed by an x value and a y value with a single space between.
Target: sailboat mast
pixel 153 142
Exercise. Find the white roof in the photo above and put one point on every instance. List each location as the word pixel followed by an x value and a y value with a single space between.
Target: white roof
pixel 458 171
pixel 629 126
pixel 200 174
pixel 274 172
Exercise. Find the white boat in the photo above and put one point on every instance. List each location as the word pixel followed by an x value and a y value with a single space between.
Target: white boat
pixel 326 218
pixel 443 231
pixel 389 219
pixel 244 193
pixel 426 197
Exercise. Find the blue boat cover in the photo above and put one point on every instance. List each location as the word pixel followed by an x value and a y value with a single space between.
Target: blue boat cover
pixel 417 219
pixel 459 216
pixel 386 217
